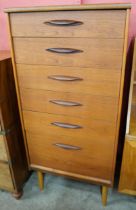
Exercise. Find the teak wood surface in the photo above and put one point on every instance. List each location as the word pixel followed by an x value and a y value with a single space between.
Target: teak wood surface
pixel 104 53
pixel 102 24
pixel 37 53
pixel 38 77
pixel 88 106
pixel 70 8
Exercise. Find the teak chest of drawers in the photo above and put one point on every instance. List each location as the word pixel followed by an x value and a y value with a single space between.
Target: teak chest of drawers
pixel 13 162
pixel 69 67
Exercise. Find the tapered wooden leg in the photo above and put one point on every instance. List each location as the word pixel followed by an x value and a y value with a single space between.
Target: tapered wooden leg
pixel 40 180
pixel 104 195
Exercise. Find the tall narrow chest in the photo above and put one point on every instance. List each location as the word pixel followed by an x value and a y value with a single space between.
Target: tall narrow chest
pixel 69 67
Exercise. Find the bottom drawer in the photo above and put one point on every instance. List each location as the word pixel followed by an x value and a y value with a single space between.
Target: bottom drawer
pixel 5 177
pixel 70 155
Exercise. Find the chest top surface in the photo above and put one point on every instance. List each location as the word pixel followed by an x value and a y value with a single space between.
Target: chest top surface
pixel 69 7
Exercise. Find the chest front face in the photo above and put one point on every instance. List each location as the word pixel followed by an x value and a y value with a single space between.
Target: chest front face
pixel 69 70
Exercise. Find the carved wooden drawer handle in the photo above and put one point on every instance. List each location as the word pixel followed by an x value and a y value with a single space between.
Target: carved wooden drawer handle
pixel 64 78
pixel 66 125
pixel 64 50
pixel 63 22
pixel 67 147
pixel 65 103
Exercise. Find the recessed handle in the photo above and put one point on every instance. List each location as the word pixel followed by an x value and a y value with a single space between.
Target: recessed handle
pixel 65 103
pixel 66 125
pixel 63 22
pixel 67 147
pixel 64 50
pixel 64 78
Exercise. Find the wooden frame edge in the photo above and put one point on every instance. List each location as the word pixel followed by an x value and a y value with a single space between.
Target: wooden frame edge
pixel 72 175
pixel 70 7
pixel 17 88
pixel 121 88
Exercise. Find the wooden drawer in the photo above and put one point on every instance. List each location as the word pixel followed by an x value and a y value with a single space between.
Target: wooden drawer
pixel 3 153
pixel 87 80
pixel 72 104
pixel 59 124
pixel 85 158
pixel 95 53
pixel 98 24
pixel 5 177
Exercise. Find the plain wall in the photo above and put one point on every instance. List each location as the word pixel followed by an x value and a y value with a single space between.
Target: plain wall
pixel 4 41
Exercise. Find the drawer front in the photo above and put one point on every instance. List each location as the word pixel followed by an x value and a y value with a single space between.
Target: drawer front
pixel 69 24
pixel 81 80
pixel 69 126
pixel 3 153
pixel 5 177
pixel 95 53
pixel 70 154
pixel 71 104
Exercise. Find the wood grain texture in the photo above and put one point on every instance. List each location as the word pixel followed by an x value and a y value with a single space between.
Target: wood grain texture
pixel 94 81
pixel 90 106
pixel 128 171
pixel 15 74
pixel 16 86
pixel 95 24
pixel 70 7
pixel 41 122
pixel 95 148
pixel 74 176
pixel 80 161
pixel 102 61
pixel 11 141
pixel 3 152
pixel 36 53
pixel 5 177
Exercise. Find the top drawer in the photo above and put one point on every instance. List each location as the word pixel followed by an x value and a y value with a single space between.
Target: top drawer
pixel 98 24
